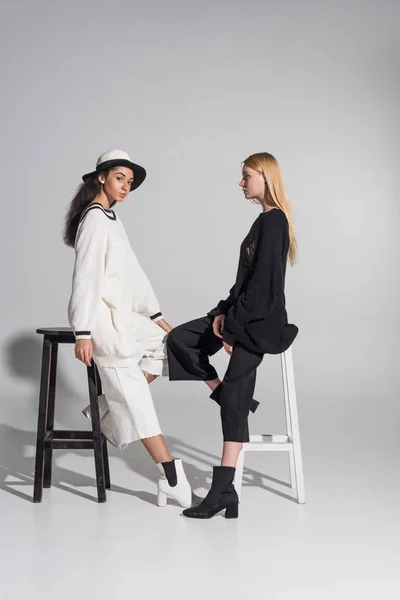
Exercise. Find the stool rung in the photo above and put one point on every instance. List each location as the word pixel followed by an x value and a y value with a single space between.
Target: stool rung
pixel 275 442
pixel 261 446
pixel 64 440
pixel 68 435
pixel 280 438
pixel 68 444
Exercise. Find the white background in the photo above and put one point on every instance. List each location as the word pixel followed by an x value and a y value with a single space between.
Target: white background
pixel 190 89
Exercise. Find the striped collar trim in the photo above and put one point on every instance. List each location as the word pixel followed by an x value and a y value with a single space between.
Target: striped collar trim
pixel 108 212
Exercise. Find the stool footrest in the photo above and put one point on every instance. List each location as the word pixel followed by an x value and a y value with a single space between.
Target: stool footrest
pixel 265 442
pixel 64 440
pixel 267 446
pixel 280 438
pixel 70 444
pixel 67 434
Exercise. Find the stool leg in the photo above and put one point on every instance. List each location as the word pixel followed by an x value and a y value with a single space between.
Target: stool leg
pixel 42 418
pixel 105 449
pixel 97 437
pixel 106 465
pixel 289 430
pixel 292 419
pixel 239 473
pixel 48 452
pixel 98 381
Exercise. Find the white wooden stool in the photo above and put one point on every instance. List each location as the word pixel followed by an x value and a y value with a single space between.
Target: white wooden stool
pixel 289 442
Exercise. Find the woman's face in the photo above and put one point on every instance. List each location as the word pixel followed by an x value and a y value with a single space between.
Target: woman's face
pixel 252 184
pixel 118 183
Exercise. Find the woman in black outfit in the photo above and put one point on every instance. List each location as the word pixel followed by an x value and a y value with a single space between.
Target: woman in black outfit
pixel 251 322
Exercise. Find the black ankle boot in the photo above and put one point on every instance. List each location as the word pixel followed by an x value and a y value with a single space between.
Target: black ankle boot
pixel 216 395
pixel 222 495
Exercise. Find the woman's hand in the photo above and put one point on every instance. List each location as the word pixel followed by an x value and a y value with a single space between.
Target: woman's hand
pixel 83 351
pixel 218 325
pixel 228 348
pixel 149 376
pixel 218 328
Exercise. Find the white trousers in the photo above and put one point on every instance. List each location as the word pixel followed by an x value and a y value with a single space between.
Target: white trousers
pixel 126 406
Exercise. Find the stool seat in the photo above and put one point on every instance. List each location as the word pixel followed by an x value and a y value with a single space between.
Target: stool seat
pixel 58 332
pixel 49 439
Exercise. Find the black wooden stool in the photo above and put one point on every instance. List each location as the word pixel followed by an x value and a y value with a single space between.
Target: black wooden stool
pixel 47 437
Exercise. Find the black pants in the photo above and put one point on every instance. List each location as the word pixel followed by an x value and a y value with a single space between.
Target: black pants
pixel 189 347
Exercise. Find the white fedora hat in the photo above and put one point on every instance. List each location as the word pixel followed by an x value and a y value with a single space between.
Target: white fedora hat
pixel 118 158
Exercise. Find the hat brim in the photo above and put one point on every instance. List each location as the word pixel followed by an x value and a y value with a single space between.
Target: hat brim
pixel 139 173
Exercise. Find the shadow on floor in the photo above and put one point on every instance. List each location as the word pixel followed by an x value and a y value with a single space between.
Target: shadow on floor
pixel 23 356
pixel 17 467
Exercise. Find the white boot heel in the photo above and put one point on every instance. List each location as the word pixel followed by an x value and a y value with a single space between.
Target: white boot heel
pixel 161 499
pixel 181 492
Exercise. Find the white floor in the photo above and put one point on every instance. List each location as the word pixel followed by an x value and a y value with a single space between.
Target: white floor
pixel 343 544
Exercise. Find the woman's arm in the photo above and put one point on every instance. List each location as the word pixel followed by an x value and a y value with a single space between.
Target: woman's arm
pixel 164 325
pixel 266 282
pixel 90 251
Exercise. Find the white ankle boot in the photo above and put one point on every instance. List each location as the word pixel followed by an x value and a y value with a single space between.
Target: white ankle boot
pixel 182 492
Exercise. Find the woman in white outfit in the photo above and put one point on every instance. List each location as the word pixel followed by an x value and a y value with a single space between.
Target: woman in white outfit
pixel 116 317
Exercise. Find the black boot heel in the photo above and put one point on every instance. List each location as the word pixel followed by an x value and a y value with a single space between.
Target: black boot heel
pixel 222 496
pixel 232 512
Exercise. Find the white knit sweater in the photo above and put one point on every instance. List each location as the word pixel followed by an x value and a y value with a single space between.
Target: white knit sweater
pixel 110 291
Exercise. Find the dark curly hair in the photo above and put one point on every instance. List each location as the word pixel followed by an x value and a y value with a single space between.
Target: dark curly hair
pixel 85 194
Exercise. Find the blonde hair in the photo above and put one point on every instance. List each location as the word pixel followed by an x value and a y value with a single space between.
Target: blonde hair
pixel 267 165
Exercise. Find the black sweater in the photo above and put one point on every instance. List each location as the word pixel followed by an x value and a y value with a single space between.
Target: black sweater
pixel 255 307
